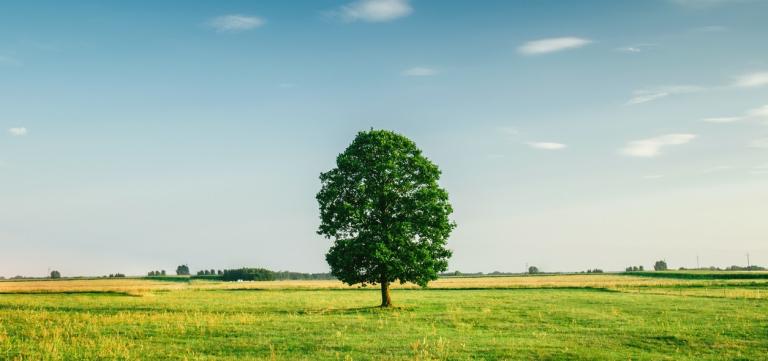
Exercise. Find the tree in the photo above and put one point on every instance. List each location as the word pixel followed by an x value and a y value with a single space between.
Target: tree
pixel 660 265
pixel 162 273
pixel 387 214
pixel 55 274
pixel 182 270
pixel 533 270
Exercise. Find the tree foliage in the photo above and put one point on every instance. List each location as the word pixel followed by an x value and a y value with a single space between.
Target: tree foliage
pixel 387 214
pixel 248 274
pixel 55 274
pixel 660 265
pixel 182 270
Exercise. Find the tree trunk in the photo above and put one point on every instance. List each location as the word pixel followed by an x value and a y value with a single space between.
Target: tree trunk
pixel 386 301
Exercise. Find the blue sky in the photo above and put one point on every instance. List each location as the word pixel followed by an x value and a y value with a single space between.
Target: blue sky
pixel 572 135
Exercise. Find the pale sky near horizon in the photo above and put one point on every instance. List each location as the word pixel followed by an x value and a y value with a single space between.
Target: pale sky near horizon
pixel 141 135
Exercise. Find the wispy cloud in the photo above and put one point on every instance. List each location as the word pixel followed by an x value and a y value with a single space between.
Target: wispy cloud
pixel 18 132
pixel 761 112
pixel 721 120
pixel 551 45
pixel 547 145
pixel 757 113
pixel 374 11
pixel 648 95
pixel 420 71
pixel 236 23
pixel 760 169
pixel 653 176
pixel 719 168
pixel 710 29
pixel 652 147
pixel 752 80
pixel 761 143
pixel 635 48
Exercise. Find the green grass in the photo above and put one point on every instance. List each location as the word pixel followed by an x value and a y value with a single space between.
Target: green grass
pixel 637 323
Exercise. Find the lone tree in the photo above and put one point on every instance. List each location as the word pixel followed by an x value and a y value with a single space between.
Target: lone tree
pixel 660 266
pixel 55 274
pixel 386 212
pixel 182 270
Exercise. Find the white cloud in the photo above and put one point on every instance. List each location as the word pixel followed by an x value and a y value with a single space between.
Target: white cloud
pixel 420 71
pixel 758 112
pixel 759 143
pixel 546 145
pixel 721 119
pixel 551 45
pixel 629 49
pixel 236 23
pixel 652 147
pixel 375 11
pixel 636 48
pixel 761 112
pixel 18 132
pixel 752 80
pixel 648 95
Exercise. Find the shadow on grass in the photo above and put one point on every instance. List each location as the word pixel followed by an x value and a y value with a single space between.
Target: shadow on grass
pixel 356 310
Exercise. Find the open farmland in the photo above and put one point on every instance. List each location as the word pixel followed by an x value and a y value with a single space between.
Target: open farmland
pixel 493 318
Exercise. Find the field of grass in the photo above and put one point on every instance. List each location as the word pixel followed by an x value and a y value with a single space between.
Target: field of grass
pixel 606 317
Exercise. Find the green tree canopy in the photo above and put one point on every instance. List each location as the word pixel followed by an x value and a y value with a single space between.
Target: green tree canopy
pixel 387 214
pixel 182 270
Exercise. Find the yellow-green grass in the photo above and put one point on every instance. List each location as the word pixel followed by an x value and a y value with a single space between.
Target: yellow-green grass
pixel 610 317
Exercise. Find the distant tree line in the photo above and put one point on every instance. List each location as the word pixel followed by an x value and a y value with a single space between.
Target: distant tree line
pixel 594 270
pixel 211 272
pixel 156 273
pixel 634 269
pixel 731 268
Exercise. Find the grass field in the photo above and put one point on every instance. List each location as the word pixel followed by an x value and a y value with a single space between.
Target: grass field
pixel 607 317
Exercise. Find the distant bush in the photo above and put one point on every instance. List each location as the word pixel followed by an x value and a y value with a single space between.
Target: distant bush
pixel 634 269
pixel 182 270
pixel 533 270
pixel 596 270
pixel 55 274
pixel 116 275
pixel 750 268
pixel 248 274
pixel 660 266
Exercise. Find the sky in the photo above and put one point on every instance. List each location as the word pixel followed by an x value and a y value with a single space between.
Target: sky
pixel 137 136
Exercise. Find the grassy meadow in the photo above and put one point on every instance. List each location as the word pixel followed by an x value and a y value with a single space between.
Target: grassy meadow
pixel 605 317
